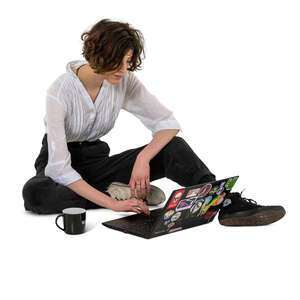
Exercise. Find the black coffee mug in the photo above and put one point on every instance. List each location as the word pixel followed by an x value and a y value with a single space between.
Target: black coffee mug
pixel 74 220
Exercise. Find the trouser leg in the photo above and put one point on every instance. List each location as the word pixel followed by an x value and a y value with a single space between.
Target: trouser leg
pixel 183 166
pixel 176 161
pixel 42 195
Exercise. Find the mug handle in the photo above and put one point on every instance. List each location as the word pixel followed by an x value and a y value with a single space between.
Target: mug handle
pixel 57 224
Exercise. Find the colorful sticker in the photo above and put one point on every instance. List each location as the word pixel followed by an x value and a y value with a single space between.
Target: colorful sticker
pixel 210 214
pixel 185 204
pixel 213 190
pixel 192 193
pixel 169 214
pixel 175 229
pixel 176 216
pixel 230 183
pixel 206 205
pixel 167 222
pixel 222 184
pixel 205 190
pixel 220 190
pixel 218 200
pixel 171 225
pixel 177 196
pixel 213 215
pixel 196 206
pixel 226 202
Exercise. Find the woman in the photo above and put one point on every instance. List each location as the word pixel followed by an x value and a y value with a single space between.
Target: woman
pixel 74 168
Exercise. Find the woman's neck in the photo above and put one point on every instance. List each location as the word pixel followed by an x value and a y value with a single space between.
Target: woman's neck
pixel 91 80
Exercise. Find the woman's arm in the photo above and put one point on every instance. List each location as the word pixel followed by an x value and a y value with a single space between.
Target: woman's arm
pixel 85 190
pixel 82 188
pixel 59 167
pixel 146 107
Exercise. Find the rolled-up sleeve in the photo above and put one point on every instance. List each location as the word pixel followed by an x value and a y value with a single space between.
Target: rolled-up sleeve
pixel 59 167
pixel 146 107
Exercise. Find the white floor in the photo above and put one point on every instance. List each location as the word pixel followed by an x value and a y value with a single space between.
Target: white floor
pixel 209 261
pixel 229 71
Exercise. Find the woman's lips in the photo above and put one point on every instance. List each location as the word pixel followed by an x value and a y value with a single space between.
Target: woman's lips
pixel 119 77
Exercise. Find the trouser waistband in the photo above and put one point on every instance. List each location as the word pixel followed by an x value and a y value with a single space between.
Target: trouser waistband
pixel 79 144
pixel 83 143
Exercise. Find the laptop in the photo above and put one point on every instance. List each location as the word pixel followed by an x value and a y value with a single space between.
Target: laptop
pixel 186 207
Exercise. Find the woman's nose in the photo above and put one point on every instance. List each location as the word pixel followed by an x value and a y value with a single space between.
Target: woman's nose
pixel 123 68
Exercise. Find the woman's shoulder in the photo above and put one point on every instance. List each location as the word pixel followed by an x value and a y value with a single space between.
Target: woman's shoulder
pixel 62 83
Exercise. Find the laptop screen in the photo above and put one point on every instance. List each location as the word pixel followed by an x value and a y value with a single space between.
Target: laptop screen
pixel 193 205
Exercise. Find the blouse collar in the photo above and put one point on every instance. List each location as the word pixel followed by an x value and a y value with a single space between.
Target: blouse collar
pixel 74 64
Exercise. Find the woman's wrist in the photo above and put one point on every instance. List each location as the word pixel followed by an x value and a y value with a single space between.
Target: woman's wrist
pixel 113 204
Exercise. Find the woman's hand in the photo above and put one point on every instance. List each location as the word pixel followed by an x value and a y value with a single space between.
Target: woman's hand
pixel 131 204
pixel 140 178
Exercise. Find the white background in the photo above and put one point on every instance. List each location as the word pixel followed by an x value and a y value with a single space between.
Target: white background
pixel 229 70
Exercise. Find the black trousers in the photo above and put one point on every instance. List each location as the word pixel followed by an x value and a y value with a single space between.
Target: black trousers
pixel 176 161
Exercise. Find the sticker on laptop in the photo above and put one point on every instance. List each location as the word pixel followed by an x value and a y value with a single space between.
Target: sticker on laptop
pixel 223 184
pixel 176 216
pixel 175 229
pixel 206 205
pixel 210 214
pixel 185 204
pixel 192 193
pixel 169 214
pixel 226 202
pixel 176 198
pixel 171 224
pixel 205 190
pixel 230 183
pixel 196 206
pixel 220 190
pixel 218 200
pixel 167 222
pixel 213 190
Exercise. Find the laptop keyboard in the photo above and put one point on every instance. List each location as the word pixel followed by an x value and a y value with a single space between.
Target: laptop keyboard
pixel 155 213
pixel 144 221
pixel 140 224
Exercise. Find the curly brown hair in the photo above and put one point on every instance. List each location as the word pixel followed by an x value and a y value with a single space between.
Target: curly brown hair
pixel 107 42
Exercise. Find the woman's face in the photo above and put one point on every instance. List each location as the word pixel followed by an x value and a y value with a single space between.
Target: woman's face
pixel 116 75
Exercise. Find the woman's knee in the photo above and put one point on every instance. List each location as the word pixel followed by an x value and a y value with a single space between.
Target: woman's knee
pixel 177 145
pixel 34 192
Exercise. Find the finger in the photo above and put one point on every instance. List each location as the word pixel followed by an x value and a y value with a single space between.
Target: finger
pixel 132 187
pixel 144 207
pixel 146 210
pixel 143 193
pixel 138 190
pixel 136 210
pixel 148 185
pixel 146 188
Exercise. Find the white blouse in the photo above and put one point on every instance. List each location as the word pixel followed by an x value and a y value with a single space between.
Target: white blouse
pixel 71 115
